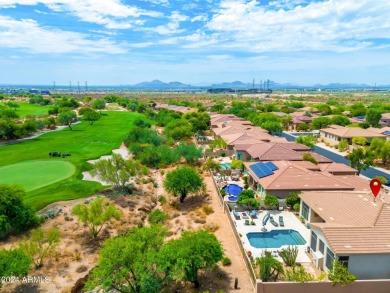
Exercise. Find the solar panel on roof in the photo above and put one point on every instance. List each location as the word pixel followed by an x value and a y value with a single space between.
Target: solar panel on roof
pixel 271 165
pixel 261 170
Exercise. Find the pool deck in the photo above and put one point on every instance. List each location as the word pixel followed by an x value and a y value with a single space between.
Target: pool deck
pixel 290 222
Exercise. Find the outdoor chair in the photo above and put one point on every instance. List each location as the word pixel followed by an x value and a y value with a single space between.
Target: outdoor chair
pixel 281 222
pixel 253 214
pixel 271 219
pixel 246 222
pixel 236 215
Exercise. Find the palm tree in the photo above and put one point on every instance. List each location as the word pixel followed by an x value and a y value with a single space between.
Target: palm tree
pixel 270 267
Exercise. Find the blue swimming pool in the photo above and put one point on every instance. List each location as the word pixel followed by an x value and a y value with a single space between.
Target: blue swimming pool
pixel 225 166
pixel 275 238
pixel 233 189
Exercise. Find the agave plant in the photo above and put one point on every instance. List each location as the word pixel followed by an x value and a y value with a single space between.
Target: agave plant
pixel 289 255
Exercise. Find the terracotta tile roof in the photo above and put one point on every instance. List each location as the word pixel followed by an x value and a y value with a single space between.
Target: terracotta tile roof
pixel 379 130
pixel 291 176
pixel 350 132
pixel 321 159
pixel 354 223
pixel 385 116
pixel 336 168
pixel 272 152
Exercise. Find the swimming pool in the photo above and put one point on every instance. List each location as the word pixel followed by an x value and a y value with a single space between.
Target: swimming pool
pixel 225 166
pixel 233 189
pixel 275 238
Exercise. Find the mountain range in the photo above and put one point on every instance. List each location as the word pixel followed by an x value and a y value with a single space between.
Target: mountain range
pixel 157 84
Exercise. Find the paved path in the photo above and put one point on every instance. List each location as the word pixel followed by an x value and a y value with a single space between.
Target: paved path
pixel 225 235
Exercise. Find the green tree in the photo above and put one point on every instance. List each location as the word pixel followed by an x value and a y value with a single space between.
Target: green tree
pixel 67 118
pixel 373 117
pixel 307 140
pixel 14 262
pixel 96 215
pixel 271 200
pixel 128 263
pixel 15 216
pixel 237 164
pixel 381 149
pixel 361 159
pixel 13 105
pixel 99 104
pixel 41 244
pixel 218 143
pixel 292 199
pixel 193 251
pixel 117 171
pixel 211 164
pixel 358 109
pixel 324 109
pixel 91 116
pixel 309 158
pixel 340 120
pixel 321 122
pixel 340 275
pixel 382 179
pixel 286 121
pixel 343 145
pixel 182 181
pixel 247 197
pixel 359 140
pixel 272 126
pixel 189 152
pixel 270 267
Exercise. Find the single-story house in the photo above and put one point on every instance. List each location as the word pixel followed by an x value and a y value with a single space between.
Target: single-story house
pixel 286 177
pixel 336 133
pixel 351 227
pixel 385 120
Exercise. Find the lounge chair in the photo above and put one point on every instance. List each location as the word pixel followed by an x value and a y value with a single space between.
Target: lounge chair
pixel 247 223
pixel 281 222
pixel 253 214
pixel 271 219
pixel 236 215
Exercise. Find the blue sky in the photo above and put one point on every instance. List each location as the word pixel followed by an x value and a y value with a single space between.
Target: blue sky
pixel 118 42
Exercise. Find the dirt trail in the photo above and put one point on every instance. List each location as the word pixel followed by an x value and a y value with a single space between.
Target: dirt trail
pixel 225 235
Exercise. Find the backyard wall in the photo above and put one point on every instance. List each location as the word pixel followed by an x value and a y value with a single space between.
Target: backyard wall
pixel 364 286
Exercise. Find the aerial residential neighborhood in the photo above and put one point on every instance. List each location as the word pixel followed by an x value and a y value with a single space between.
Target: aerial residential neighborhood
pixel 166 146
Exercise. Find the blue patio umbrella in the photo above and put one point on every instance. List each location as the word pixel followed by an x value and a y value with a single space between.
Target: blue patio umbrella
pixel 266 218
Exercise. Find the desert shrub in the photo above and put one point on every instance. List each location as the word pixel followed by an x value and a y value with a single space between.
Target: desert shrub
pixel 226 261
pixel 223 192
pixel 207 209
pixel 157 216
pixel 162 199
pixel 212 227
pixel 289 255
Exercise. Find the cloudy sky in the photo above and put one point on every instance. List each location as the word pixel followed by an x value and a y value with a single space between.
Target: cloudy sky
pixel 116 42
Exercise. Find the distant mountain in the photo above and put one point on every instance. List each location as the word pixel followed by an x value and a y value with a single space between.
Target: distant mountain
pixel 234 84
pixel 156 84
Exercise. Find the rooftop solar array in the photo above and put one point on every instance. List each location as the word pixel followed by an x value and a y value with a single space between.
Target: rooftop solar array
pixel 262 169
pixel 271 165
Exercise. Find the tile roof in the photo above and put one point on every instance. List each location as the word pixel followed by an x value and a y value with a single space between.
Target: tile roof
pixel 354 223
pixel 297 176
pixel 337 167
pixel 350 132
pixel 379 130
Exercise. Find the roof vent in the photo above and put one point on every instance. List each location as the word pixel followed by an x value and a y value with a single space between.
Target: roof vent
pixel 348 246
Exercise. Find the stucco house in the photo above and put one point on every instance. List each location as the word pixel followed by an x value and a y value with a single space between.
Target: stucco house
pixel 335 133
pixel 351 227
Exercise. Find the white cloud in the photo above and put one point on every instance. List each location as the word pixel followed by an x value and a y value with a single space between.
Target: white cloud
pixel 111 13
pixel 26 34
pixel 329 25
pixel 199 18
pixel 173 26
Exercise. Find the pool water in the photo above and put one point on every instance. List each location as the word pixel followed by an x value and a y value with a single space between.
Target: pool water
pixel 275 238
pixel 225 166
pixel 233 189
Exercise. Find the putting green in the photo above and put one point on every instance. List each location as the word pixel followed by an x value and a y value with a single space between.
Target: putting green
pixel 36 174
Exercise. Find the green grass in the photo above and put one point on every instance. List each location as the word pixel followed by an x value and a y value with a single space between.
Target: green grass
pixel 85 142
pixel 35 174
pixel 26 109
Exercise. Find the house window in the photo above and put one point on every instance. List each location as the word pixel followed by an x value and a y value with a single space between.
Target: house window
pixel 329 259
pixel 321 247
pixel 305 211
pixel 239 156
pixel 344 260
pixel 313 242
